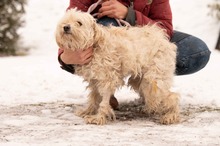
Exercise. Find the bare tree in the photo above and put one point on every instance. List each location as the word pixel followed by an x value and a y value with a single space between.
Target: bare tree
pixel 218 42
pixel 215 11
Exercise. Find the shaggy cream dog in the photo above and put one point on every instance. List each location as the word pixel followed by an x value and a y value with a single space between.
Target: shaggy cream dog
pixel 143 53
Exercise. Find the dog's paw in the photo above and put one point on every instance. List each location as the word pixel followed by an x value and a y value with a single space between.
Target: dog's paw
pixel 170 118
pixel 96 119
pixel 91 110
pixel 104 114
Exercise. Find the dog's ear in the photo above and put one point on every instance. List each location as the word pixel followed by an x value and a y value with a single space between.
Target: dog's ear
pixel 98 32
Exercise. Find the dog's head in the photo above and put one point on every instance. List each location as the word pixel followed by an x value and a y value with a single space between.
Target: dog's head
pixel 76 30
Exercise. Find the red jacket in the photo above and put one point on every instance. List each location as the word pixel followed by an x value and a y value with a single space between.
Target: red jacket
pixel 157 11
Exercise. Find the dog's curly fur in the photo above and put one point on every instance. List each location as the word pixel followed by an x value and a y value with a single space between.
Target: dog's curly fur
pixel 144 53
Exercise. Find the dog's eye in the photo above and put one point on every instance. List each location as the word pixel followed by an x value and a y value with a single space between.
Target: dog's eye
pixel 79 23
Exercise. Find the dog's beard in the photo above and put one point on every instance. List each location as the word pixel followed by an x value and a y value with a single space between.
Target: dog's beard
pixel 70 41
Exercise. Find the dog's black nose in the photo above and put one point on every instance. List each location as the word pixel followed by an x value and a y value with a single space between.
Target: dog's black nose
pixel 66 28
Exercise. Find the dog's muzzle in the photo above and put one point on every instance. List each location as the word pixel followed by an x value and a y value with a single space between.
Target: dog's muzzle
pixel 67 29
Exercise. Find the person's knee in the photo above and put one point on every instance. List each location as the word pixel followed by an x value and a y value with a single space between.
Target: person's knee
pixel 194 61
pixel 201 60
pixel 203 54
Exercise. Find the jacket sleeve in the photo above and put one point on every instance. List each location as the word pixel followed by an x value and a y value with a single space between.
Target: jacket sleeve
pixel 67 67
pixel 158 11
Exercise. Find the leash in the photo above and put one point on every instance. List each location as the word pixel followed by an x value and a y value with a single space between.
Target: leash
pixel 120 22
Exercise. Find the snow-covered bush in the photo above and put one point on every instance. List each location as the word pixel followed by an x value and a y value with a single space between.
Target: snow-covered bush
pixel 11 12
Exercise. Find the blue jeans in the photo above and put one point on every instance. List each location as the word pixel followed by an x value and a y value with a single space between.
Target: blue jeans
pixel 192 53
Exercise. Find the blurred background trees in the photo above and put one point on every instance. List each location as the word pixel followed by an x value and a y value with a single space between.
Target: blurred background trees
pixel 11 12
pixel 215 11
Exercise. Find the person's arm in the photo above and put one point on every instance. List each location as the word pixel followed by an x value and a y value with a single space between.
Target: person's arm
pixel 64 66
pixel 68 58
pixel 160 13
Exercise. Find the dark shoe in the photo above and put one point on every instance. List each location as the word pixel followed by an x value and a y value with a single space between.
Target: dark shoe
pixel 113 102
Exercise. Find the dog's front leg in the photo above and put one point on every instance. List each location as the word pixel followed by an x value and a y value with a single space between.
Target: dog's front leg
pixel 93 102
pixel 105 112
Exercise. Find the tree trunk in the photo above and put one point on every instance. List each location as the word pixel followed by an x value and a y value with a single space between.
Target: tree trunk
pixel 218 42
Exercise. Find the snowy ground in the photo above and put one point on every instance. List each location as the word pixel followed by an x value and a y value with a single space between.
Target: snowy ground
pixel 37 98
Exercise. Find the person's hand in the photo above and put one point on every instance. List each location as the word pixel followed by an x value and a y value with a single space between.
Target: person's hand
pixel 113 9
pixel 76 57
